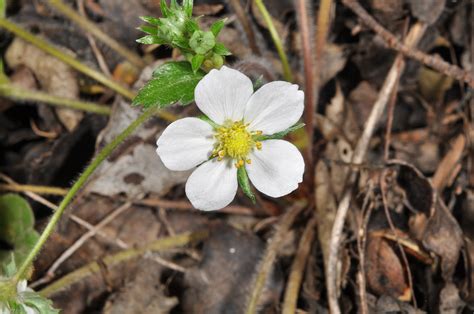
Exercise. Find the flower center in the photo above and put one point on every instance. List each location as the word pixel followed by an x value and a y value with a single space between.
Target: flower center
pixel 235 141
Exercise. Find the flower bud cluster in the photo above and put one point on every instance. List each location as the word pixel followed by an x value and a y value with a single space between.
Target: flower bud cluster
pixel 179 29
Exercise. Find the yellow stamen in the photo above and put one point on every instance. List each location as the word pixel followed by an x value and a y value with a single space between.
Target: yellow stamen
pixel 258 145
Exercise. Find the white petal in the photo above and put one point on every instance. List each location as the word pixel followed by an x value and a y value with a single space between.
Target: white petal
pixel 222 94
pixel 274 107
pixel 185 143
pixel 277 168
pixel 212 185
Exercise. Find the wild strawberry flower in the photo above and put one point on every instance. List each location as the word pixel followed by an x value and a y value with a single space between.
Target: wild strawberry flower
pixel 239 118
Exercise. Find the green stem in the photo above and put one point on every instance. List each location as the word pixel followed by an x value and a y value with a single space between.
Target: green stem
pixel 103 154
pixel 11 91
pixel 111 260
pixel 90 27
pixel 276 40
pixel 71 61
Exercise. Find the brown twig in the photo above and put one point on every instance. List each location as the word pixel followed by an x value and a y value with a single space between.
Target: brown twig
pixel 306 27
pixel 298 267
pixel 393 76
pixel 266 264
pixel 245 21
pixel 393 42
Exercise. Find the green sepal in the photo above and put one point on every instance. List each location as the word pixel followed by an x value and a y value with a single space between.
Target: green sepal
pixel 188 7
pixel 151 20
pixel 165 11
pixel 205 118
pixel 150 40
pixel 281 134
pixel 172 82
pixel 196 62
pixel 38 302
pixel 244 183
pixel 152 30
pixel 217 26
pixel 220 49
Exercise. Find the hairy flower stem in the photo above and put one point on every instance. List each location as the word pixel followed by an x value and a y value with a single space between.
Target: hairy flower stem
pixel 276 40
pixel 103 154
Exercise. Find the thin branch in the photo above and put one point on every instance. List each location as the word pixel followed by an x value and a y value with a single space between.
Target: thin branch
pixel 298 267
pixel 91 28
pixel 18 93
pixel 393 42
pixel 414 35
pixel 269 257
pixel 112 260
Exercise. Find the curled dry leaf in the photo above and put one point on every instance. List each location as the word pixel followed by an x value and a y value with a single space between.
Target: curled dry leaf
pixel 438 231
pixel 385 273
pixel 54 76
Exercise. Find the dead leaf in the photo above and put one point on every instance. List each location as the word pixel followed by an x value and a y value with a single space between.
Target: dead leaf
pixel 53 75
pixel 134 168
pixel 385 273
pixel 224 279
pixel 427 10
pixel 142 293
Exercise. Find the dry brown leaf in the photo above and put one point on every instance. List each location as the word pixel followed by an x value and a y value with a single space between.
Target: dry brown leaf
pixel 384 270
pixel 54 76
pixel 427 10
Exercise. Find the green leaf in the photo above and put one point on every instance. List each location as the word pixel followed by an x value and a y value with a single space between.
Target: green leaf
pixel 281 134
pixel 16 228
pixel 244 183
pixel 151 20
pixel 152 30
pixel 172 82
pixel 38 302
pixel 3 78
pixel 217 26
pixel 196 62
pixel 150 40
pixel 220 49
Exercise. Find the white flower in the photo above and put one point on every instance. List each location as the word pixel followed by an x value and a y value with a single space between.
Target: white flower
pixel 275 167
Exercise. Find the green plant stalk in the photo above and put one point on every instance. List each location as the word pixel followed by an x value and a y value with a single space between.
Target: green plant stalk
pixel 276 40
pixel 71 61
pixel 90 27
pixel 112 260
pixel 17 93
pixel 103 154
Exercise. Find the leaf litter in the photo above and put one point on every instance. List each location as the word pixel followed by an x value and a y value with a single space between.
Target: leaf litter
pixel 411 209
